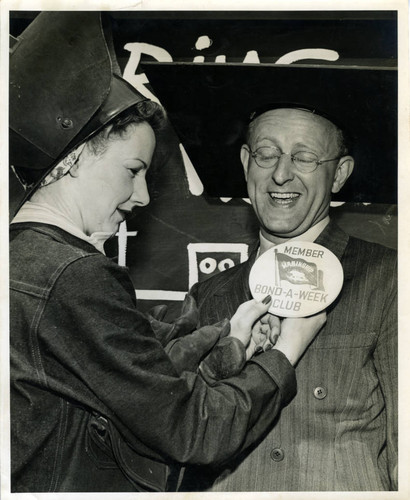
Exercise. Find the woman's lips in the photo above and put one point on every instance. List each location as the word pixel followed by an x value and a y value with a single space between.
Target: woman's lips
pixel 124 213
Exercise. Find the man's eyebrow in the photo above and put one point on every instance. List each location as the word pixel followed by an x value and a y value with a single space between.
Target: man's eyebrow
pixel 265 138
pixel 304 145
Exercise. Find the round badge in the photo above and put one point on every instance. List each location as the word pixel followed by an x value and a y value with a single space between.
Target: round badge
pixel 303 278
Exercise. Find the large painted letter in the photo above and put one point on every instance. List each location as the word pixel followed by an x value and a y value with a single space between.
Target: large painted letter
pixel 138 81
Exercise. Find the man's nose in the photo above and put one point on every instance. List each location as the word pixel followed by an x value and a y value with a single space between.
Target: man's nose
pixel 140 196
pixel 283 170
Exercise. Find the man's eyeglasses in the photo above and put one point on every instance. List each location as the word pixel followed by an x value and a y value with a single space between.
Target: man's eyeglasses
pixel 305 161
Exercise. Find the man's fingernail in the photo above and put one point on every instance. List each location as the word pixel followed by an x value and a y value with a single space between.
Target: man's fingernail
pixel 258 350
pixel 268 347
pixel 267 299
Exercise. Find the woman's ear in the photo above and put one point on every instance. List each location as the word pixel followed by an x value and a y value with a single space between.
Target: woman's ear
pixel 245 154
pixel 79 156
pixel 342 173
pixel 73 172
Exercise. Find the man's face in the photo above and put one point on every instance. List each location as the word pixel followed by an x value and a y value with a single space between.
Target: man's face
pixel 286 201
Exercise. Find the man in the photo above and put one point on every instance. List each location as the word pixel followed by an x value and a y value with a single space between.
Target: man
pixel 340 431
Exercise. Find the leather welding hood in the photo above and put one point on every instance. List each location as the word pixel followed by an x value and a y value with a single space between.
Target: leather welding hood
pixel 65 85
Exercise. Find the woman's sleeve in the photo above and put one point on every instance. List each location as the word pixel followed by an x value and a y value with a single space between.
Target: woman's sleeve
pixel 91 326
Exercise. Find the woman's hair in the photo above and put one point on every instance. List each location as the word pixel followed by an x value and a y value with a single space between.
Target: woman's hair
pixel 143 112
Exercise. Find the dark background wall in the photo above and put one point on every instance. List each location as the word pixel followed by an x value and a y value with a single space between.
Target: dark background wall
pixel 185 235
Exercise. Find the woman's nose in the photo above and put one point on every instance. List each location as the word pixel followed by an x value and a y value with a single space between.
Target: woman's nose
pixel 283 170
pixel 140 196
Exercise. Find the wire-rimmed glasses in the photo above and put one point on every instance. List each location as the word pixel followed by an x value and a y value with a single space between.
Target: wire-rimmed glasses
pixel 305 161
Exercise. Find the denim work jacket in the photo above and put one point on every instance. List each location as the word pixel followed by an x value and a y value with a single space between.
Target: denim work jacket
pixel 96 403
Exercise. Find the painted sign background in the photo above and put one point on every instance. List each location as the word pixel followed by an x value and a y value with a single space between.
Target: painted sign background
pixel 184 235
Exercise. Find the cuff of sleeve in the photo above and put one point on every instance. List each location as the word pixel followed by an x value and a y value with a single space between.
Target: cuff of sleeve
pixel 225 360
pixel 278 367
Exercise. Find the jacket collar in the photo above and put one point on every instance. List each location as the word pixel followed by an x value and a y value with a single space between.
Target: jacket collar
pixel 334 239
pixel 54 232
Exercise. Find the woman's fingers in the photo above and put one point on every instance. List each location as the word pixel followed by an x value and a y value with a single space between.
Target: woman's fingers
pixel 265 332
pixel 274 327
pixel 246 316
pixel 289 335
pixel 297 333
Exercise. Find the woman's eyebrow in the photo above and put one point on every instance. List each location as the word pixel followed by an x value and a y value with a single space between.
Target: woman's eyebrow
pixel 129 160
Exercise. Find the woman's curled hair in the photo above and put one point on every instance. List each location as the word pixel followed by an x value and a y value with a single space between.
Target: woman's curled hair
pixel 145 111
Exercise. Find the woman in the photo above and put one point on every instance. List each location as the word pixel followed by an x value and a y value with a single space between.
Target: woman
pixel 97 402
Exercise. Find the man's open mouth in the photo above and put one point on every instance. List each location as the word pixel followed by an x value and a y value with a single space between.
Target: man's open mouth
pixel 284 198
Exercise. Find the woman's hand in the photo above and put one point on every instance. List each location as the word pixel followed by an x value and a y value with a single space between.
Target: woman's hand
pixel 297 333
pixel 247 320
pixel 260 331
pixel 265 333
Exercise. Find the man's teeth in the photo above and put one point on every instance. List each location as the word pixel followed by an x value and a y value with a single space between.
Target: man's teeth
pixel 283 196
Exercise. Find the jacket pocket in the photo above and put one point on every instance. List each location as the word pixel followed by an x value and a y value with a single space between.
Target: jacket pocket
pixel 98 444
pixel 352 341
pixel 109 449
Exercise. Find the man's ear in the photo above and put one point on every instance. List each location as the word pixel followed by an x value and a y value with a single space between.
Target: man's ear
pixel 245 159
pixel 342 173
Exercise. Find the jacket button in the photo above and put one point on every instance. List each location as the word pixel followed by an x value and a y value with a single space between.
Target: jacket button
pixel 320 393
pixel 277 455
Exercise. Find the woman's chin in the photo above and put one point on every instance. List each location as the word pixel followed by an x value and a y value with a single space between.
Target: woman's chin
pixel 109 230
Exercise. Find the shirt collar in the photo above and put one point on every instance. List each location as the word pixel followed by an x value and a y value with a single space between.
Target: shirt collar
pixel 46 214
pixel 310 235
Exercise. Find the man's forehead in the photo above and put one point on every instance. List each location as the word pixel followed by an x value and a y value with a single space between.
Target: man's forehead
pixel 293 115
pixel 285 120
